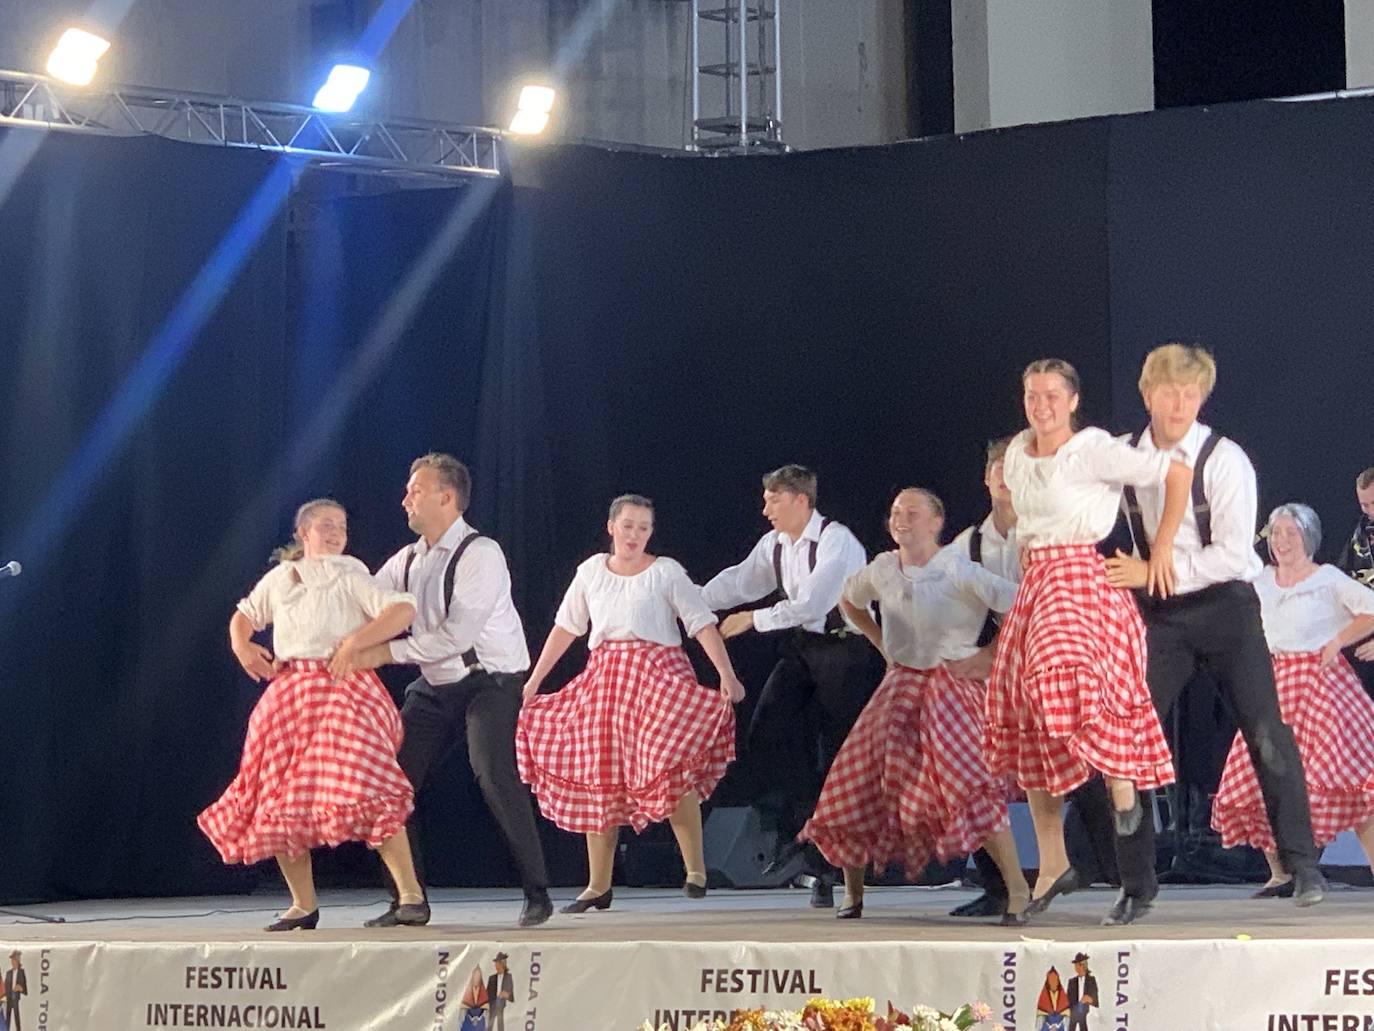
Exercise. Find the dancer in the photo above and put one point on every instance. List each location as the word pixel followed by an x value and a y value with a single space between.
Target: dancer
pixel 470 646
pixel 633 738
pixel 1357 560
pixel 1067 695
pixel 993 543
pixel 1310 613
pixel 319 762
pixel 910 780
pixel 1213 619
pixel 825 671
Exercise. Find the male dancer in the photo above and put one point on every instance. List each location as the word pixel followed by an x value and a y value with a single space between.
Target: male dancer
pixel 1357 560
pixel 470 646
pixel 824 667
pixel 1212 621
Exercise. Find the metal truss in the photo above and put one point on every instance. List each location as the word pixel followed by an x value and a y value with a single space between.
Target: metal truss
pixel 394 145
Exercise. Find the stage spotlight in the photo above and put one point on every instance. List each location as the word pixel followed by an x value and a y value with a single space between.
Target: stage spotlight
pixel 532 110
pixel 342 87
pixel 74 58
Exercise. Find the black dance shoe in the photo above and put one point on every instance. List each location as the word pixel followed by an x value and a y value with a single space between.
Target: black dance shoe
pixel 296 923
pixel 985 904
pixel 693 890
pixel 538 907
pixel 1309 887
pixel 1275 891
pixel 602 901
pixel 822 894
pixel 851 912
pixel 411 914
pixel 1064 884
pixel 1127 909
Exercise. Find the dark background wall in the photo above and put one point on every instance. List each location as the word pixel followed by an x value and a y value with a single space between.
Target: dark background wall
pixel 602 322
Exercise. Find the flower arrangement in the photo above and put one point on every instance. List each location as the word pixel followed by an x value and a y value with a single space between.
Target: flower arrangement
pixel 849 1015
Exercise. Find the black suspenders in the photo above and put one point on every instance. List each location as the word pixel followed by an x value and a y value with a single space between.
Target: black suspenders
pixel 975 554
pixel 1202 509
pixel 469 657
pixel 833 619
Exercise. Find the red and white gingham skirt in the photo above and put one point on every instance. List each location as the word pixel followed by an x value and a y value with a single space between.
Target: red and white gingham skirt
pixel 1067 694
pixel 1333 721
pixel 910 779
pixel 625 739
pixel 318 768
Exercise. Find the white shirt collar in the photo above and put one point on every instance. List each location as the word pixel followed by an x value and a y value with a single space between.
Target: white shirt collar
pixel 448 541
pixel 1188 447
pixel 812 531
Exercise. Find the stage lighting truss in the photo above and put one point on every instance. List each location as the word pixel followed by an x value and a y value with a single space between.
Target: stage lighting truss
pixel 387 145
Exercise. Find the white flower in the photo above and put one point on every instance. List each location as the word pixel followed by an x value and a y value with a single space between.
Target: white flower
pixel 928 1013
pixel 946 1024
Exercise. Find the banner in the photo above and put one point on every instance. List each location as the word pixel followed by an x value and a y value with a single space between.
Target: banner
pixel 1227 985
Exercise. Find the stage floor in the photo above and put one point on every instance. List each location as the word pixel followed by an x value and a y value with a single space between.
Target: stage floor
pixel 642 914
pixel 1207 959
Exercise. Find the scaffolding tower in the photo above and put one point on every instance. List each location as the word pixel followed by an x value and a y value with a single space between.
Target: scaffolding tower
pixel 736 76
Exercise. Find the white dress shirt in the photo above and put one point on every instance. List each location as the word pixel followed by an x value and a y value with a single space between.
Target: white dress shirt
pixel 312 604
pixel 643 607
pixel 481 614
pixel 1228 481
pixel 1074 495
pixel 1001 555
pixel 1306 616
pixel 931 613
pixel 811 593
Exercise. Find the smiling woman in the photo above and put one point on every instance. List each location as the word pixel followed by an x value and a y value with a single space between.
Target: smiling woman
pixel 634 738
pixel 319 762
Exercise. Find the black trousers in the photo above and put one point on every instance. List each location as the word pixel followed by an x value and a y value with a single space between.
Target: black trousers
pixel 1218 629
pixel 484 706
pixel 808 706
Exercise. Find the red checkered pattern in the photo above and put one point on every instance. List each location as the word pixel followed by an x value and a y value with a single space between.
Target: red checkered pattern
pixel 1333 721
pixel 910 780
pixel 625 739
pixel 319 768
pixel 1067 694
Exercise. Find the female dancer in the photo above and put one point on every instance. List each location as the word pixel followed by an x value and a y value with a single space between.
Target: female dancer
pixel 910 780
pixel 1067 695
pixel 634 738
pixel 319 762
pixel 1310 613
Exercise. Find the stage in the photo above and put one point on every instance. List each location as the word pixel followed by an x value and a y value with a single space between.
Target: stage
pixel 1207 957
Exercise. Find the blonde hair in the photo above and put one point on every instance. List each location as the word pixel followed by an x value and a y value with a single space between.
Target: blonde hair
pixel 1365 480
pixel 1179 363
pixel 295 548
pixel 936 505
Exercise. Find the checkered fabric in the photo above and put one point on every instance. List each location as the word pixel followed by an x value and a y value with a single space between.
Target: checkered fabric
pixel 1067 694
pixel 910 780
pixel 1333 721
pixel 624 740
pixel 318 768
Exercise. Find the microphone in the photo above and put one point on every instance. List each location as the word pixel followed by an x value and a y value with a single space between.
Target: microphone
pixel 10 569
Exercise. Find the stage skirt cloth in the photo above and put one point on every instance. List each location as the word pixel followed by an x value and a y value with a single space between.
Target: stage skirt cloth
pixel 910 780
pixel 624 740
pixel 1067 695
pixel 318 768
pixel 1333 721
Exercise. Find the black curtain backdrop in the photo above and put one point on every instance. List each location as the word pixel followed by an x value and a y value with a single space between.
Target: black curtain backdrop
pixel 598 322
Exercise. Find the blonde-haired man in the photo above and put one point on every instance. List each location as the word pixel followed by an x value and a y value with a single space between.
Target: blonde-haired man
pixel 1212 620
